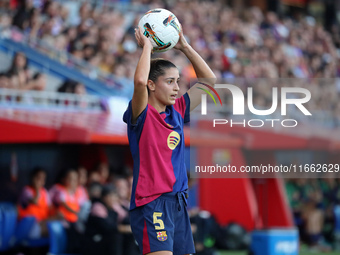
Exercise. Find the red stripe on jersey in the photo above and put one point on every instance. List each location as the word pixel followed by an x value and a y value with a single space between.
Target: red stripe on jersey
pixel 146 243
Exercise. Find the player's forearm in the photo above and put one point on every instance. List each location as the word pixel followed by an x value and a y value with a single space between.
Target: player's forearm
pixel 201 68
pixel 143 67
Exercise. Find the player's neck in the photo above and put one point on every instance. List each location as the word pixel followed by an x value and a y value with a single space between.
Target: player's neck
pixel 157 105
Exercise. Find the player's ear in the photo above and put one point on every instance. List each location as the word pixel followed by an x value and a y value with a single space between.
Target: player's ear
pixel 151 85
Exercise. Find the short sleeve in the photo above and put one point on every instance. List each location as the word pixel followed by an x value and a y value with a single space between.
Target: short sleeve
pixel 128 115
pixel 138 126
pixel 182 106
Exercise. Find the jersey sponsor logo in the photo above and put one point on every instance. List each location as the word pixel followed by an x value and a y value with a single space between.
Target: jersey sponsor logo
pixel 173 140
pixel 162 236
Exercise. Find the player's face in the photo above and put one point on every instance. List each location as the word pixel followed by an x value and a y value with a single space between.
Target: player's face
pixel 167 87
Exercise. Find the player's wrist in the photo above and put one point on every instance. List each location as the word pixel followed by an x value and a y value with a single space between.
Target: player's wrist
pixel 186 48
pixel 148 46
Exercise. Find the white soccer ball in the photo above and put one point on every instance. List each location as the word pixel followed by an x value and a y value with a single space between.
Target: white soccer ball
pixel 161 27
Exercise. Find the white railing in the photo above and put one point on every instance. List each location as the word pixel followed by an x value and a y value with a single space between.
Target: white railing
pixel 10 98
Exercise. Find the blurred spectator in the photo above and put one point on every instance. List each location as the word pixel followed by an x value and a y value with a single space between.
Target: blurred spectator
pixel 67 198
pixel 102 172
pixel 74 87
pixel 68 204
pixel 128 244
pixel 23 14
pixel 5 81
pixel 94 177
pixel 19 71
pixel 101 235
pixel 19 77
pixel 83 198
pixel 35 201
pixel 38 82
pixel 82 181
pixel 122 186
pixel 95 190
pixel 312 202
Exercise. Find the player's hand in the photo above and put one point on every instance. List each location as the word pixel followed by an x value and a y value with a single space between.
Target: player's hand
pixel 142 40
pixel 182 42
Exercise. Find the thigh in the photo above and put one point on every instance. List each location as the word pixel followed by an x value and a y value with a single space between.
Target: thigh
pixel 153 226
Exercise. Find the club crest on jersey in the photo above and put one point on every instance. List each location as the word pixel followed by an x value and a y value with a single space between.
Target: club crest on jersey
pixel 161 236
pixel 173 140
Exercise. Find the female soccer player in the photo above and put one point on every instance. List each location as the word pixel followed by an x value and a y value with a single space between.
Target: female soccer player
pixel 155 119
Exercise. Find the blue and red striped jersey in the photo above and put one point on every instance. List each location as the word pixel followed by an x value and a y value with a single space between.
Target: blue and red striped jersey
pixel 157 145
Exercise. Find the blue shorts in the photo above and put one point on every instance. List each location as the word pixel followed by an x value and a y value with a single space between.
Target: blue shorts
pixel 163 225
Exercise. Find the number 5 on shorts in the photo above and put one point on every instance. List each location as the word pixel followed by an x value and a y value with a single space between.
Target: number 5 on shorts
pixel 158 221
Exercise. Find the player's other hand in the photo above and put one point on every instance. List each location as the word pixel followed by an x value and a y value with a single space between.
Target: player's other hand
pixel 142 40
pixel 182 42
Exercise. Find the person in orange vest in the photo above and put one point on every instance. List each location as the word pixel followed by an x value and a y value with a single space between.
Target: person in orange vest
pixel 67 198
pixel 68 202
pixel 35 201
pixel 83 198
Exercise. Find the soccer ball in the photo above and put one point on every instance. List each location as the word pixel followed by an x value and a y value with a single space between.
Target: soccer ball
pixel 161 27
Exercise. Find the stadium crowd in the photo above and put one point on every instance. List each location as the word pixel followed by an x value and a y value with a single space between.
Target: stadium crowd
pixel 19 77
pixel 237 46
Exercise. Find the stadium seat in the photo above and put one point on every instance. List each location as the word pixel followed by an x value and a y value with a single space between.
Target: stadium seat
pixel 22 231
pixel 8 224
pixel 58 238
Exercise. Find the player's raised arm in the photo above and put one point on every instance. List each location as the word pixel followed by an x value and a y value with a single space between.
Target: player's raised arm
pixel 140 93
pixel 202 70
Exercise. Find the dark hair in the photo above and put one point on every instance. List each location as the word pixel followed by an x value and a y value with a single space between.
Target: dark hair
pixel 107 190
pixel 68 86
pixel 64 173
pixel 158 67
pixel 36 76
pixel 36 171
pixel 13 69
pixel 94 185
